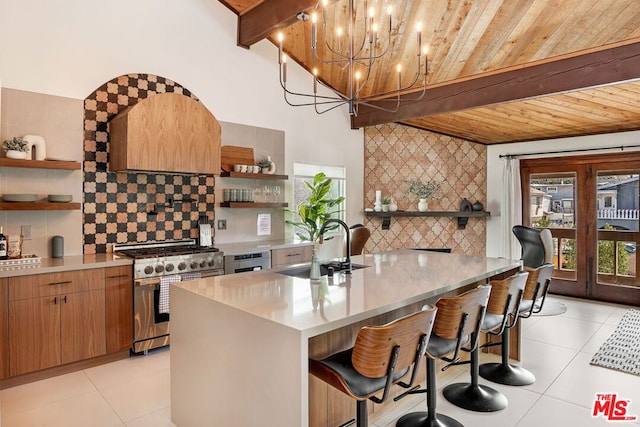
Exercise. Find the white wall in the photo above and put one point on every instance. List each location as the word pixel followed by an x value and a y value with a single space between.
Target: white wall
pixel 495 166
pixel 70 47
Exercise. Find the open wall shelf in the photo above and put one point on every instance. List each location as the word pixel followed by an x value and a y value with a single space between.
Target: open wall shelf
pixel 462 216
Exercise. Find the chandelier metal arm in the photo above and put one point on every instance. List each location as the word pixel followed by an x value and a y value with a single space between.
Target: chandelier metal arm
pixel 354 62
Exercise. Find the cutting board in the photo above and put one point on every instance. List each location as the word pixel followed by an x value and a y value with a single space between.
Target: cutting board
pixel 231 155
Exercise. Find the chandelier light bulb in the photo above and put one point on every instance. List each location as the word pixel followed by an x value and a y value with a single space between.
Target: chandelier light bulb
pixel 399 68
pixel 358 75
pixel 314 18
pixel 280 36
pixel 339 31
pixel 372 12
pixel 389 10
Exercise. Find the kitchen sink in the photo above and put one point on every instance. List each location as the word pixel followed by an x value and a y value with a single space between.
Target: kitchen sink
pixel 304 271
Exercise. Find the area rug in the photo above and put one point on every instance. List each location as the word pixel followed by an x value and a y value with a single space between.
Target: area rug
pixel 551 308
pixel 621 351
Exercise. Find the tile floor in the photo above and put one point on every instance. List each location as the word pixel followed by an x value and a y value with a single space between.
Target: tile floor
pixel 135 392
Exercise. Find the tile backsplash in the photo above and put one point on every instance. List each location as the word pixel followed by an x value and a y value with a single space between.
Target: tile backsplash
pixel 395 153
pixel 120 207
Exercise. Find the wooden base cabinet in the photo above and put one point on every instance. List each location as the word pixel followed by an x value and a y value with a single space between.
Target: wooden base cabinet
pixel 4 329
pixel 119 305
pixel 55 319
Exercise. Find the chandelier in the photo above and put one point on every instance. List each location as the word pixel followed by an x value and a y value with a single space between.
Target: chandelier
pixel 357 52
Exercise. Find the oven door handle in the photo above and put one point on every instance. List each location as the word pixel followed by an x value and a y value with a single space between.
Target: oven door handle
pixel 146 282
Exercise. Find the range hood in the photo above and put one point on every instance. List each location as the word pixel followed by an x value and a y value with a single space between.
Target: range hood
pixel 167 132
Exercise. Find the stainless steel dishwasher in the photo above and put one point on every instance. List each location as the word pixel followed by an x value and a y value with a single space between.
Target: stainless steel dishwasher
pixel 249 261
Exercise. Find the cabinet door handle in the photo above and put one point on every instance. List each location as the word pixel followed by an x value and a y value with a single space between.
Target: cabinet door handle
pixel 55 300
pixel 68 282
pixel 120 276
pixel 294 254
pixel 64 298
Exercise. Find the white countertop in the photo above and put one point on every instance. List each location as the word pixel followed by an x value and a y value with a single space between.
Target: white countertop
pixel 240 248
pixel 392 280
pixel 68 263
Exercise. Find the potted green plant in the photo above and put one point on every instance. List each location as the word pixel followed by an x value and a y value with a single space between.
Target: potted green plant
pixel 423 190
pixel 264 164
pixel 386 201
pixel 315 209
pixel 15 148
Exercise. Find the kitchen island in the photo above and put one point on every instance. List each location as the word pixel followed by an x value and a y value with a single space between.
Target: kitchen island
pixel 240 343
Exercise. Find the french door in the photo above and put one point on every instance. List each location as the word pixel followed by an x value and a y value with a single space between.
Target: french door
pixel 591 205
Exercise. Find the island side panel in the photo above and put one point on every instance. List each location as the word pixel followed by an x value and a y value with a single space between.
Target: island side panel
pixel 230 368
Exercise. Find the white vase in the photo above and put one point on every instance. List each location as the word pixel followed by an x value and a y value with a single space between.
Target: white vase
pixel 393 207
pixel 422 205
pixel 385 208
pixel 15 154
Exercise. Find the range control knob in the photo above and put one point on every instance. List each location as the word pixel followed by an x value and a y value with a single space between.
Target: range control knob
pixel 212 262
pixel 168 267
pixel 194 265
pixel 203 264
pixel 159 268
pixel 148 269
pixel 182 266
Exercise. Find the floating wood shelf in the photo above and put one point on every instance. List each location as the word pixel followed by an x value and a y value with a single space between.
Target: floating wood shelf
pixel 40 164
pixel 252 205
pixel 39 206
pixel 232 174
pixel 463 216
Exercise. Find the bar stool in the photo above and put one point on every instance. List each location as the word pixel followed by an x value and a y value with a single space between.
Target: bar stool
pixel 457 323
pixel 536 287
pixel 502 314
pixel 380 357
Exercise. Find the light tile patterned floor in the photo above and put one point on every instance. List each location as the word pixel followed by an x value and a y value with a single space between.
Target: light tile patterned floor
pixel 135 392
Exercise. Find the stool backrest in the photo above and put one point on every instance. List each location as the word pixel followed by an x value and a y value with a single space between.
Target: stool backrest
pixel 533 254
pixel 505 297
pixel 504 294
pixel 359 236
pixel 538 281
pixel 375 345
pixel 461 315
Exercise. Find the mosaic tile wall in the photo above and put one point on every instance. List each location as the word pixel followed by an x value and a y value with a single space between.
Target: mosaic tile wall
pixel 116 205
pixel 395 153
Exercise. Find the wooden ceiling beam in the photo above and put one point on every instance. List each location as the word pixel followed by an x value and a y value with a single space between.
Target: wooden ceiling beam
pixel 267 17
pixel 588 69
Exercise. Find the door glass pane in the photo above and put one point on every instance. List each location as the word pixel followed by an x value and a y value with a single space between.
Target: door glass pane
pixel 552 206
pixel 617 213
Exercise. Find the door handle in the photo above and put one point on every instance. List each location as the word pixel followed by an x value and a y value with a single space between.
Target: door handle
pixel 67 282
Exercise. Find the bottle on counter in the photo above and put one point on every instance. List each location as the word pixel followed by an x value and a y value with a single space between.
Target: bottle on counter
pixel 3 244
pixel 314 275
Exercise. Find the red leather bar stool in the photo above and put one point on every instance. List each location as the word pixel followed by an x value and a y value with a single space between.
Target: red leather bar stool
pixel 502 313
pixel 457 324
pixel 380 358
pixel 535 290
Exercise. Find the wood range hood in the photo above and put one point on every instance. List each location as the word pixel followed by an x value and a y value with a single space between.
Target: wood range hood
pixel 165 133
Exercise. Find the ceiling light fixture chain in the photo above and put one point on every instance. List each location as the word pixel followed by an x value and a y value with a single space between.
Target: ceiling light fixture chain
pixel 353 56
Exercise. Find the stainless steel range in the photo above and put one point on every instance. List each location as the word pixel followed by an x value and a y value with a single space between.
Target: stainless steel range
pixel 155 266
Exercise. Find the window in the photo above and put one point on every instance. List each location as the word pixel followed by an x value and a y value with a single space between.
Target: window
pixel 608 202
pixel 305 172
pixel 552 190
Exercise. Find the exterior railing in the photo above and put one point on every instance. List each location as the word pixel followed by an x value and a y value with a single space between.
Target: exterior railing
pixel 618 213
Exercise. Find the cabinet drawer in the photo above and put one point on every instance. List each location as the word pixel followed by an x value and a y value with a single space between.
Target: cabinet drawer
pixel 49 284
pixel 282 257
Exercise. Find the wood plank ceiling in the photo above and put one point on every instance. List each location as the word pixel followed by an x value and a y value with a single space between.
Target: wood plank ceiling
pixel 499 70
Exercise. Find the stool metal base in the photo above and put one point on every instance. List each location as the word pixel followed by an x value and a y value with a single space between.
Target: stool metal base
pixel 506 374
pixel 421 419
pixel 478 398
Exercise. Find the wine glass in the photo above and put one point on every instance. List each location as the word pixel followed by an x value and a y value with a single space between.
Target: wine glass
pixel 257 193
pixel 276 193
pixel 266 192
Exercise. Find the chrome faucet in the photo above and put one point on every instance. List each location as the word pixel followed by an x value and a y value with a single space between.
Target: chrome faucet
pixel 346 229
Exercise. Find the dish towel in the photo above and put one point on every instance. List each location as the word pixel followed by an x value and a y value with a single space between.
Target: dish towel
pixel 191 276
pixel 163 300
